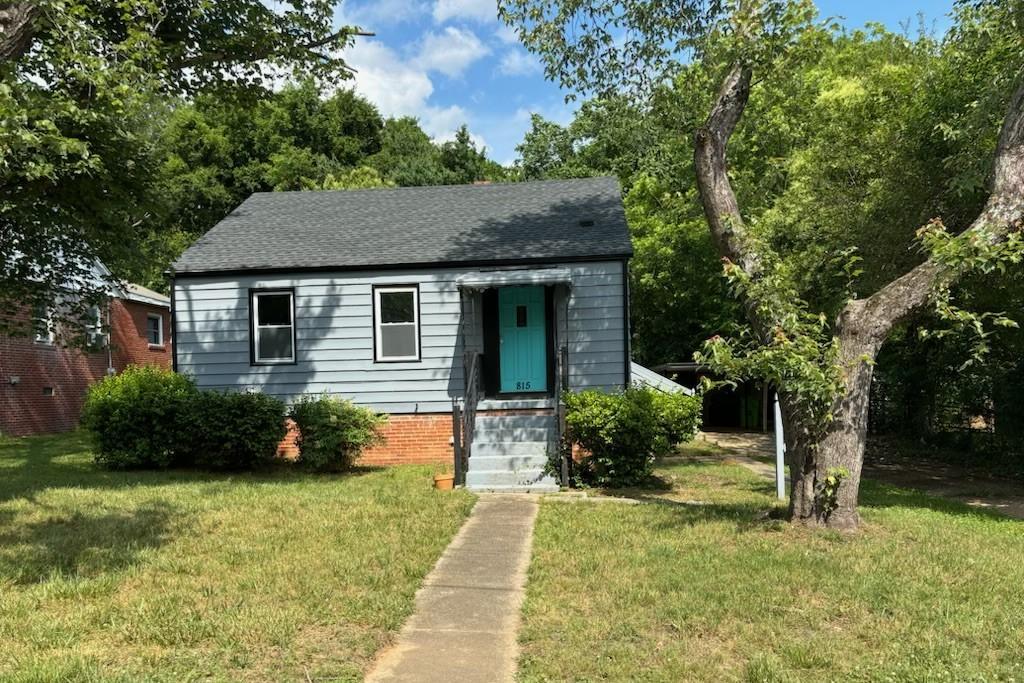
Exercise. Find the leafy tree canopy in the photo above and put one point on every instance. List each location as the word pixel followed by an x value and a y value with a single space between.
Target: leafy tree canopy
pixel 81 86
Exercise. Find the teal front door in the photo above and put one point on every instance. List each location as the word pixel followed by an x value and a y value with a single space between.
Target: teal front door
pixel 523 343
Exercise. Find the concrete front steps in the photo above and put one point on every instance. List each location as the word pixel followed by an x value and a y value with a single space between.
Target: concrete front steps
pixel 510 452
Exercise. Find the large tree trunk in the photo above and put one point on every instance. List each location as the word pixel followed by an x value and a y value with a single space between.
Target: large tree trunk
pixel 17 28
pixel 826 476
pixel 825 467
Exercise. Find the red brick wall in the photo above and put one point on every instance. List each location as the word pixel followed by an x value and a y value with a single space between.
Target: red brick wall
pixel 409 439
pixel 423 438
pixel 129 341
pixel 24 409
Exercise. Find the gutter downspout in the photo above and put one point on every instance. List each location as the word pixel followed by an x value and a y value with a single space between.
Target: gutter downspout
pixel 110 328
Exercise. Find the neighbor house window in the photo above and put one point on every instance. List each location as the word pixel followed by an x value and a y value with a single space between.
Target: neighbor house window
pixel 96 336
pixel 396 322
pixel 273 326
pixel 42 324
pixel 155 329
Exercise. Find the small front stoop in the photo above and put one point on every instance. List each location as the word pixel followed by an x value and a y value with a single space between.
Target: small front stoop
pixel 509 453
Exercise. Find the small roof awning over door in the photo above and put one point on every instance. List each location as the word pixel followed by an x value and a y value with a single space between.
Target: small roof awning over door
pixel 489 279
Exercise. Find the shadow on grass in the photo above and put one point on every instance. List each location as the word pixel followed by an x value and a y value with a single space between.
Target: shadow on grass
pixel 33 464
pixel 744 516
pixel 81 544
pixel 876 494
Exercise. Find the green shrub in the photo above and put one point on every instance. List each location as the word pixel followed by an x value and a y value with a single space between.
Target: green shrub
pixel 333 432
pixel 623 432
pixel 148 417
pixel 679 418
pixel 136 418
pixel 233 431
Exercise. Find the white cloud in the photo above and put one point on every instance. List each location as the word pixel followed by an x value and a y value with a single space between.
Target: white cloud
pixel 557 112
pixel 476 10
pixel 506 34
pixel 519 63
pixel 372 13
pixel 399 88
pixel 451 51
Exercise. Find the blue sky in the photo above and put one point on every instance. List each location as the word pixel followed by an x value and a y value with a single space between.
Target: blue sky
pixel 449 62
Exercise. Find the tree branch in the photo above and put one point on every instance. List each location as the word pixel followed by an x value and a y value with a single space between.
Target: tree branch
pixel 1003 214
pixel 17 28
pixel 712 139
pixel 207 58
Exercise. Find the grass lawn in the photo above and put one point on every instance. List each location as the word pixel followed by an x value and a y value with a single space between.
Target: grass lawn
pixel 181 576
pixel 697 585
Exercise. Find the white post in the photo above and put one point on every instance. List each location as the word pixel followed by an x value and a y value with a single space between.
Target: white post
pixel 780 453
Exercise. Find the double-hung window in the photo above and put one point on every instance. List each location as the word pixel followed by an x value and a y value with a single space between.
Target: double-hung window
pixel 396 323
pixel 273 326
pixel 43 327
pixel 97 335
pixel 155 329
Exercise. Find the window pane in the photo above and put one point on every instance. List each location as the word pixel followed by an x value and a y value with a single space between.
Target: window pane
pixel 154 331
pixel 41 325
pixel 397 341
pixel 397 307
pixel 520 316
pixel 275 309
pixel 274 343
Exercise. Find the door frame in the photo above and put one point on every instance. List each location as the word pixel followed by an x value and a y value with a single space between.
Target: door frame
pixel 492 345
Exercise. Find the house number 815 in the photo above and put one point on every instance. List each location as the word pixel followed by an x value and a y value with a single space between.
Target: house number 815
pixel 520 386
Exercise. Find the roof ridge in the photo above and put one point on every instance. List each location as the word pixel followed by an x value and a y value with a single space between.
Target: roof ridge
pixel 476 185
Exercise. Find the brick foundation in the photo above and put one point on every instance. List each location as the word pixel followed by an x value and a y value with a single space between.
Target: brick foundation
pixel 424 438
pixel 409 439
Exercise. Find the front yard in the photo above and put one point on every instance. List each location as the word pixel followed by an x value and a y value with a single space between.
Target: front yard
pixel 696 585
pixel 182 576
pixel 286 576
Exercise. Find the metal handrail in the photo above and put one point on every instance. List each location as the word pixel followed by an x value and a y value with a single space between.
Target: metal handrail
pixel 464 418
pixel 561 386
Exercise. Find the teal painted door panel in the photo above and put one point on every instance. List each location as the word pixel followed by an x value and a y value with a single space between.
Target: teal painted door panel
pixel 523 343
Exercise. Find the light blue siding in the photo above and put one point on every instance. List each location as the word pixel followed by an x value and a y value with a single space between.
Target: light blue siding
pixel 334 335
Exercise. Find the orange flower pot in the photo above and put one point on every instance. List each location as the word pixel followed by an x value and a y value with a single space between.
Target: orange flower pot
pixel 444 482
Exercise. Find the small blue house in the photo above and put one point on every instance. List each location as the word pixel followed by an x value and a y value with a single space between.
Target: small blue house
pixel 461 311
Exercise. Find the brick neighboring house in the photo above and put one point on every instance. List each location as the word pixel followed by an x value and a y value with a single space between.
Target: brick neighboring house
pixel 43 384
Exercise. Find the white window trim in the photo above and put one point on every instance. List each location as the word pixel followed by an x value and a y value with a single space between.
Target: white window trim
pixel 97 337
pixel 160 329
pixel 256 326
pixel 50 337
pixel 378 325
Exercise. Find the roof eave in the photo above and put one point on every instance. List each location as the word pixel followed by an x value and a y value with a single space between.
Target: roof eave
pixel 619 256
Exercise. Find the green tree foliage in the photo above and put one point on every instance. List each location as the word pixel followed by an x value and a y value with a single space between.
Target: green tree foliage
pixel 407 156
pixel 215 152
pixel 818 155
pixel 878 122
pixel 81 82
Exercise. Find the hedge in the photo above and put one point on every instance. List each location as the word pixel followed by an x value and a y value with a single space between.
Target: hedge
pixel 149 417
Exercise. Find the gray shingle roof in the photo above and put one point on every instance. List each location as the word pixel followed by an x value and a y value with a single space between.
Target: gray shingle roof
pixel 537 221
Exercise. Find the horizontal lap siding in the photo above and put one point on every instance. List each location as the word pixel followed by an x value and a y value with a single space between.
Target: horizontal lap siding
pixel 334 336
pixel 334 339
pixel 596 330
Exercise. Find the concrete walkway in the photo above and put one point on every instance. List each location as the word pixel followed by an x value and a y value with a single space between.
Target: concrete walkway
pixel 466 619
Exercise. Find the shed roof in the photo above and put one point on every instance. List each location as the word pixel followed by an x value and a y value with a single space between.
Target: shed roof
pixel 552 220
